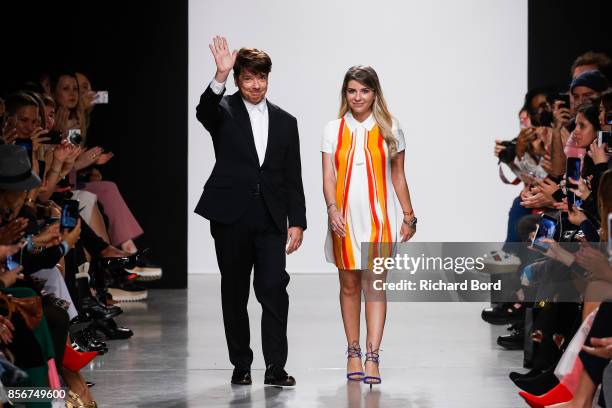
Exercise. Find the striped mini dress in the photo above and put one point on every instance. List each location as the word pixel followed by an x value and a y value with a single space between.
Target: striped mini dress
pixel 364 192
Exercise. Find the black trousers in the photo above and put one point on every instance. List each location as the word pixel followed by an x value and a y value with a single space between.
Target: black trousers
pixel 253 242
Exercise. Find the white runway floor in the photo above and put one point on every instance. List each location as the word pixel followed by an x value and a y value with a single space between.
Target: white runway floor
pixel 434 355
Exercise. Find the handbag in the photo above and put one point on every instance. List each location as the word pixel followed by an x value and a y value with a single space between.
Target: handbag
pixel 29 308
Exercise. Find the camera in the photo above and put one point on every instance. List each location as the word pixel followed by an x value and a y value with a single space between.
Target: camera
pixel 74 137
pixel 509 153
pixel 55 137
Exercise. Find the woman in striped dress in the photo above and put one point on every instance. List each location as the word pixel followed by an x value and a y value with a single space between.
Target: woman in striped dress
pixel 367 200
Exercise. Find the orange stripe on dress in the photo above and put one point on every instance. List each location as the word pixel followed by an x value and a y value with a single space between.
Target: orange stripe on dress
pixel 375 165
pixel 339 144
pixel 341 158
pixel 340 161
pixel 347 247
pixel 387 231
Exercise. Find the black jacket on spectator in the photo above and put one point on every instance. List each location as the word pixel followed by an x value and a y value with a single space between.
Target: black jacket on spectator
pixel 237 171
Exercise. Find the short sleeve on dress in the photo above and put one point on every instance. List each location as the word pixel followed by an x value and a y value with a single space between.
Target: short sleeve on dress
pixel 398 133
pixel 329 134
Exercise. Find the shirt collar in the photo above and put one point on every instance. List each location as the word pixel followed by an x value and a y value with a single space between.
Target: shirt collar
pixel 261 106
pixel 353 123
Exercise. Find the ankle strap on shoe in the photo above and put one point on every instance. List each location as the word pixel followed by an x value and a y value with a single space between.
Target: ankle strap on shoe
pixel 354 351
pixel 373 355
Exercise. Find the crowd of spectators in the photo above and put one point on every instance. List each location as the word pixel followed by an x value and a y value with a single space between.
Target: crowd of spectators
pixel 68 251
pixel 558 249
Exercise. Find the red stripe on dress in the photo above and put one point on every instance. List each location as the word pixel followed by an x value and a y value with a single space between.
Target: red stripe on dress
pixel 371 188
pixel 387 228
pixel 344 204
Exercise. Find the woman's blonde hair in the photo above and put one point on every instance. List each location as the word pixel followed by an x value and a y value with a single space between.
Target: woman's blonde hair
pixel 366 75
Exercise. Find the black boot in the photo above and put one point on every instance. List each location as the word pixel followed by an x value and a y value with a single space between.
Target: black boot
pixel 512 341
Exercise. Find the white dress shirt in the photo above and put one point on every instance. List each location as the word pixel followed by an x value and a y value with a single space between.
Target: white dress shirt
pixel 258 114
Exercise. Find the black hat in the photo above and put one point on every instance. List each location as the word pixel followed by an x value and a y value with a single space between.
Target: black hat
pixel 591 79
pixel 16 170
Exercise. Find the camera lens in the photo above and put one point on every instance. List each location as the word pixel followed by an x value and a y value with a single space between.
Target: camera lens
pixel 75 138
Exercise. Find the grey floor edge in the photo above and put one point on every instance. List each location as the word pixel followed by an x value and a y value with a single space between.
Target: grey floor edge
pixel 433 355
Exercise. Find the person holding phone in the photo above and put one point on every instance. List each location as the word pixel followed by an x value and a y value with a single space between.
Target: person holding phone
pixel 255 202
pixel 363 178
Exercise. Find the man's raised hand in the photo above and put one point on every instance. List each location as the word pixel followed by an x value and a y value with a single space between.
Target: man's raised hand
pixel 223 58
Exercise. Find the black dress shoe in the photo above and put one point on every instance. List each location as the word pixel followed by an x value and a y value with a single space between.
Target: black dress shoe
pixel 111 330
pixel 241 377
pixel 512 341
pixel 278 376
pixel 93 309
pixel 125 262
pixel 504 314
pixel 86 340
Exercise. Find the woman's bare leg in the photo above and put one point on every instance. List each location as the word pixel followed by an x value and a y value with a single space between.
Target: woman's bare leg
pixel 583 396
pixel 350 306
pixel 376 314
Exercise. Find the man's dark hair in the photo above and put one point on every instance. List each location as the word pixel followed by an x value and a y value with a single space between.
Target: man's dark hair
pixel 254 60
pixel 18 100
pixel 532 93
pixel 599 59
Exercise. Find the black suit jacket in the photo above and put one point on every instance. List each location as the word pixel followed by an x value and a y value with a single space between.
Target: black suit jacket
pixel 237 171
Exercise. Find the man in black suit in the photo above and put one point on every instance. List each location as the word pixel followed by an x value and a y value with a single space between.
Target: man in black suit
pixel 254 200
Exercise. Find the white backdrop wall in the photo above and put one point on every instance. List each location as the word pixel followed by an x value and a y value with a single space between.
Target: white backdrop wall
pixel 454 74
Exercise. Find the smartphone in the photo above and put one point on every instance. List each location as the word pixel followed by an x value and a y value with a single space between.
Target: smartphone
pixel 55 137
pixel 74 137
pixel 608 118
pixel 70 214
pixel 572 169
pixel 11 263
pixel 546 228
pixel 565 98
pixel 605 137
pixel 101 98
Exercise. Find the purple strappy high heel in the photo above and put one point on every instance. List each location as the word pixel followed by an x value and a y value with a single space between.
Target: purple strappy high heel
pixel 374 358
pixel 354 351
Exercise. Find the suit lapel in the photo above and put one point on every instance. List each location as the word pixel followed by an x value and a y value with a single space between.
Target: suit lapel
pixel 242 117
pixel 273 131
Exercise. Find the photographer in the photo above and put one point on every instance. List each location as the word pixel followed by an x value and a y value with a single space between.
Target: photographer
pixel 586 87
pixel 538 112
